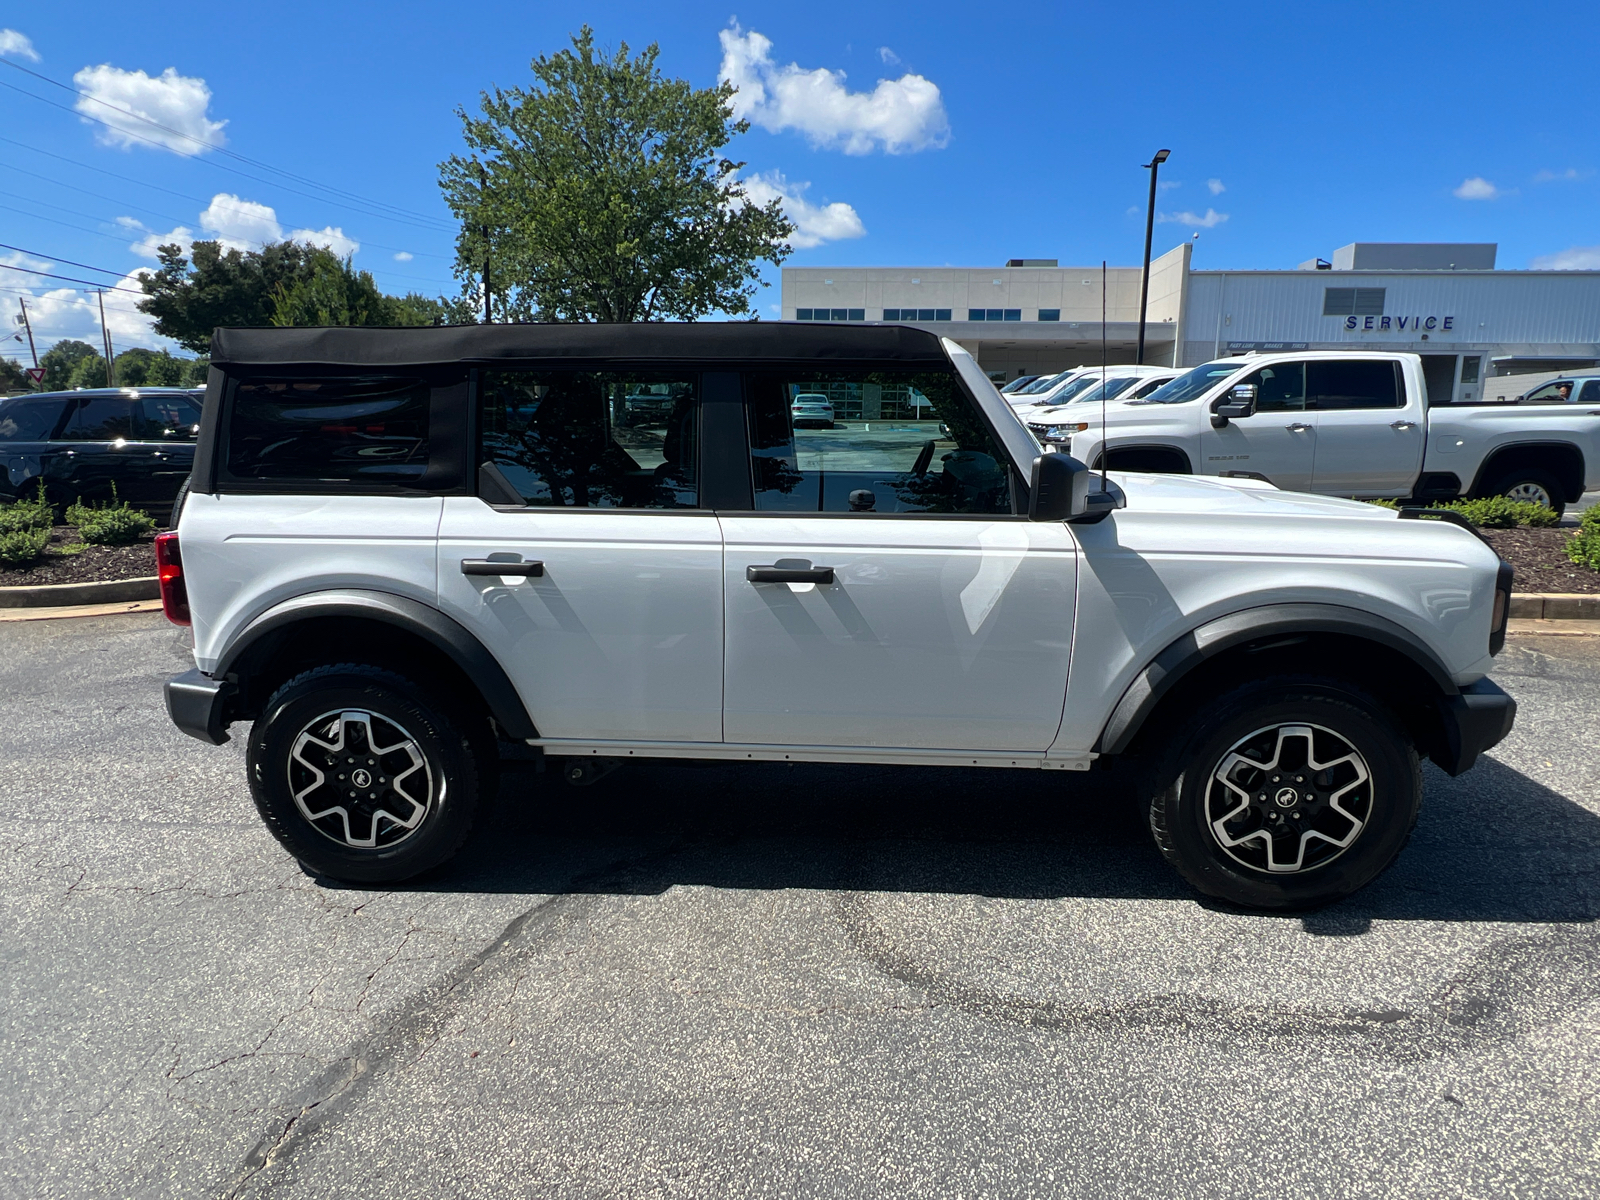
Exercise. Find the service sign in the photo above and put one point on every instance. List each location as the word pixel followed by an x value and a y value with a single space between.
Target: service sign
pixel 1402 324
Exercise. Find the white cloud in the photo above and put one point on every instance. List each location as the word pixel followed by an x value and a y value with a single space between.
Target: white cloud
pixel 1573 258
pixel 1479 188
pixel 1566 176
pixel 67 312
pixel 814 223
pixel 16 258
pixel 1168 184
pixel 175 101
pixel 240 224
pixel 1216 186
pixel 17 45
pixel 1210 220
pixel 403 256
pixel 889 57
pixel 153 239
pixel 898 116
pixel 330 237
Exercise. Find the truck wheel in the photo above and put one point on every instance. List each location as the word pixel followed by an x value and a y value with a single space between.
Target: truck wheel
pixel 1286 794
pixel 361 776
pixel 177 503
pixel 1533 486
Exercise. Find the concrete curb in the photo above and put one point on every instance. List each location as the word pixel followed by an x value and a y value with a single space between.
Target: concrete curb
pixel 1555 606
pixel 61 595
pixel 8 615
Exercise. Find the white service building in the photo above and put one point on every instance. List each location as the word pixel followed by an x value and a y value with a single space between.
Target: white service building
pixel 1474 325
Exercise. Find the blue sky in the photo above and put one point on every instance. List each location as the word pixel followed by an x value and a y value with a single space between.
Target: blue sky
pixel 900 134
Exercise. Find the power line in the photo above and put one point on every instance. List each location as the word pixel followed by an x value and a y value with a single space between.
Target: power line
pixel 90 282
pixel 265 166
pixel 54 258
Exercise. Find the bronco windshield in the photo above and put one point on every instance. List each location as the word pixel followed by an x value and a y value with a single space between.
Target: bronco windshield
pixel 1196 383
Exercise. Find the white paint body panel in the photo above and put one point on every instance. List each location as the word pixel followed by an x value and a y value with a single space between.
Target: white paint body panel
pixel 622 636
pixel 1187 550
pixel 244 554
pixel 1460 438
pixel 949 633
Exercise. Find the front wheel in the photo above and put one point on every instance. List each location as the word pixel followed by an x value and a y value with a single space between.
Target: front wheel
pixel 1286 794
pixel 361 776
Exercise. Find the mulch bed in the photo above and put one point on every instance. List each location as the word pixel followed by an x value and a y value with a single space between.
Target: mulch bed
pixel 96 563
pixel 1541 564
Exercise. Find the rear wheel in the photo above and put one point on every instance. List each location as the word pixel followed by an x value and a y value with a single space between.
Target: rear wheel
pixel 1286 794
pixel 361 776
pixel 1532 486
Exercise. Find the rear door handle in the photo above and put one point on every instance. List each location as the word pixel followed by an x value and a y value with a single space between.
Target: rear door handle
pixel 483 566
pixel 789 574
pixel 1402 424
pixel 1298 427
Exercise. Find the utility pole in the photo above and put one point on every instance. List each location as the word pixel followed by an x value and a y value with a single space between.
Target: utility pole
pixel 28 325
pixel 105 337
pixel 1153 166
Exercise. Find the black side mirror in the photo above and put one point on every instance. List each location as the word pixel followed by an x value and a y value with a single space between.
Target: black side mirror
pixel 1058 489
pixel 1241 402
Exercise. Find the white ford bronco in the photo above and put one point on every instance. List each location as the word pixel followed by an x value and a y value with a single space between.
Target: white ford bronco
pixel 1338 422
pixel 408 554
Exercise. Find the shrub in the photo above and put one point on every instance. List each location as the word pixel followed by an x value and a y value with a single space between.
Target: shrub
pixel 1584 548
pixel 1590 519
pixel 1497 512
pixel 116 526
pixel 23 547
pixel 27 515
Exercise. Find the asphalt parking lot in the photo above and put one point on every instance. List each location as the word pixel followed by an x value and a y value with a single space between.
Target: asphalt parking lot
pixel 773 981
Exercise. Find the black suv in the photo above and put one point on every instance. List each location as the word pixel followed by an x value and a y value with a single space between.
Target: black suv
pixel 82 442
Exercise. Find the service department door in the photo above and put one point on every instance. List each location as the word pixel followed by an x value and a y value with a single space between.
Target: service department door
pixel 881 595
pixel 608 617
pixel 1277 443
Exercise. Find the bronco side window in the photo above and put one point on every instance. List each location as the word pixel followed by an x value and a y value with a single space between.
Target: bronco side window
pixel 594 439
pixel 899 442
pixel 354 429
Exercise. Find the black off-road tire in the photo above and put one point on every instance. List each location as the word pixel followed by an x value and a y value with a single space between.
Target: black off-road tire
pixel 401 713
pixel 177 502
pixel 1525 484
pixel 1183 806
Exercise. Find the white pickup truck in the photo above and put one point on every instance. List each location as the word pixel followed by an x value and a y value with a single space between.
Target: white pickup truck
pixel 1343 423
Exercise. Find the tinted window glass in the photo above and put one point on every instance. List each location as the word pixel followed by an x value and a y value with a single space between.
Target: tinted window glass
pixel 919 447
pixel 1552 391
pixel 1196 383
pixel 1110 389
pixel 594 439
pixel 101 419
pixel 1335 385
pixel 27 420
pixel 168 418
pixel 1279 388
pixel 1591 392
pixel 355 429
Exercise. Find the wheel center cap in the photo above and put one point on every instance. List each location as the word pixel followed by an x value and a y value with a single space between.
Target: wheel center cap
pixel 1286 797
pixel 364 779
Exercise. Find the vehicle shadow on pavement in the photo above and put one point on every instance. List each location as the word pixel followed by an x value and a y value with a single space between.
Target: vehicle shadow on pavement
pixel 1493 845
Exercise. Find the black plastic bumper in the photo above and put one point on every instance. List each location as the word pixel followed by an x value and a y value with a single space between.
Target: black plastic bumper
pixel 1476 719
pixel 198 705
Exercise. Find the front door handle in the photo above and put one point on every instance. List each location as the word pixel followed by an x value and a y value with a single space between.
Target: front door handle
pixel 1298 427
pixel 789 574
pixel 484 566
pixel 1402 424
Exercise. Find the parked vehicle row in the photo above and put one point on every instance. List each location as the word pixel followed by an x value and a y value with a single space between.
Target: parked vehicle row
pixel 1271 666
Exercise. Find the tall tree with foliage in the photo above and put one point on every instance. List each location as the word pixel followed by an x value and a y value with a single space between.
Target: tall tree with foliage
pixel 62 360
pixel 332 292
pixel 602 194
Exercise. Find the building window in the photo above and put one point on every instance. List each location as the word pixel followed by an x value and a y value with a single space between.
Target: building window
pixel 994 314
pixel 916 314
pixel 974 314
pixel 1352 302
pixel 1469 368
pixel 830 314
pixel 1013 314
pixel 1049 314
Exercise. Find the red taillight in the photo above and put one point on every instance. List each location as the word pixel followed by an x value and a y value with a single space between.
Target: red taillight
pixel 169 569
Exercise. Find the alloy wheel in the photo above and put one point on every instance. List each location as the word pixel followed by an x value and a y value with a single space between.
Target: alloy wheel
pixel 360 779
pixel 1288 798
pixel 1531 493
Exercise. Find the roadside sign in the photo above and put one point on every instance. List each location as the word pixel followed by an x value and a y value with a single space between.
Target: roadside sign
pixel 35 373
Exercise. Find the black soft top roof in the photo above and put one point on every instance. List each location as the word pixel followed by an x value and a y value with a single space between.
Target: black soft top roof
pixel 736 341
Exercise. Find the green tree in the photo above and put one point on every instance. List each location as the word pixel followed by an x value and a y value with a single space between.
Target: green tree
pixel 88 372
pixel 12 378
pixel 139 367
pixel 333 292
pixel 60 360
pixel 220 287
pixel 602 194
pixel 195 371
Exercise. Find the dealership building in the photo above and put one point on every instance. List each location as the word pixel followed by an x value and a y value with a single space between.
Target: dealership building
pixel 1475 326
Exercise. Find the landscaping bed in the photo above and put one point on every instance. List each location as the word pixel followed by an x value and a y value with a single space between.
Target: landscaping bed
pixel 68 559
pixel 1540 559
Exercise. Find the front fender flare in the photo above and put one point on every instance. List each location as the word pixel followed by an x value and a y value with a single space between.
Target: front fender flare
pixel 1148 688
pixel 446 635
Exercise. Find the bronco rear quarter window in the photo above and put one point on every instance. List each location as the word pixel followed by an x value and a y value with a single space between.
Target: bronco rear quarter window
pixel 352 430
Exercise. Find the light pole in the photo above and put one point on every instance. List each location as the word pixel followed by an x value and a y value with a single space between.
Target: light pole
pixel 1154 167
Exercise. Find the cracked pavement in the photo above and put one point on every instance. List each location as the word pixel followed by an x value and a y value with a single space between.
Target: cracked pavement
pixel 765 980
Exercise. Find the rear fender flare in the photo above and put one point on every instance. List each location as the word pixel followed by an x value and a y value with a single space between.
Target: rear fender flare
pixel 446 635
